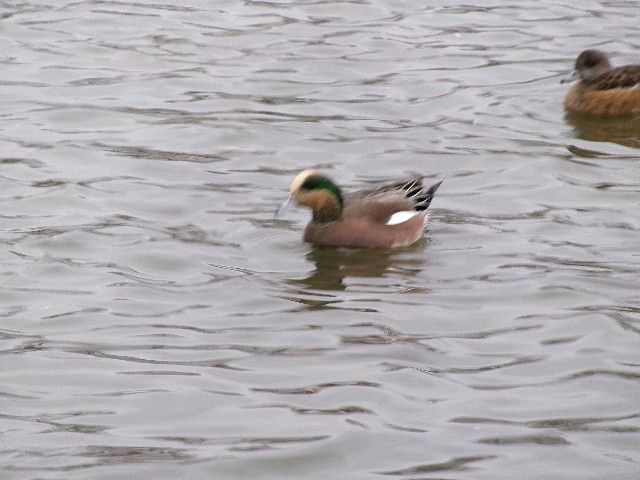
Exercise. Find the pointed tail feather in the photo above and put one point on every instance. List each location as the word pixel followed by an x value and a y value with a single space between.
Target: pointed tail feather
pixel 420 194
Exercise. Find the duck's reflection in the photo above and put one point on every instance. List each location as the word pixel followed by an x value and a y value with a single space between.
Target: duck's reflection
pixel 620 129
pixel 334 266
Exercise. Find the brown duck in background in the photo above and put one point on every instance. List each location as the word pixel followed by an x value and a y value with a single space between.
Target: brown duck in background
pixel 602 89
pixel 389 216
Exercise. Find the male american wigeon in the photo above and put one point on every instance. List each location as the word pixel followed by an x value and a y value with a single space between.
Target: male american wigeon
pixel 388 216
pixel 602 89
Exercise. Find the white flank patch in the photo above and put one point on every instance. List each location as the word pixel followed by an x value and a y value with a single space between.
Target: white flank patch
pixel 400 217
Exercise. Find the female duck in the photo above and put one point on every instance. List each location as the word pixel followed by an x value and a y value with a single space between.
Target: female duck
pixel 388 216
pixel 602 89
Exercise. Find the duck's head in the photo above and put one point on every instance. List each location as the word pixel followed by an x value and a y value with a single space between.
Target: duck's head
pixel 318 192
pixel 590 64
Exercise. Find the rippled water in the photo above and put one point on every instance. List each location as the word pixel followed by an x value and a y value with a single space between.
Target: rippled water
pixel 157 322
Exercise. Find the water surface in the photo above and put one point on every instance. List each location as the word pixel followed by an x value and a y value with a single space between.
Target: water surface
pixel 156 321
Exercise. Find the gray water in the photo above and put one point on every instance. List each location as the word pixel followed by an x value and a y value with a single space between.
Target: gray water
pixel 156 321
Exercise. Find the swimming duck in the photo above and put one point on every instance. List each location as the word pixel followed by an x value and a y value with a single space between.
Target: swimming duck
pixel 601 88
pixel 392 215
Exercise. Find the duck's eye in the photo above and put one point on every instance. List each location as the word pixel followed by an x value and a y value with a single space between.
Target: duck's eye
pixel 313 183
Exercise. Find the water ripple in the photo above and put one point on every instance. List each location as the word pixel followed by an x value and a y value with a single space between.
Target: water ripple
pixel 157 322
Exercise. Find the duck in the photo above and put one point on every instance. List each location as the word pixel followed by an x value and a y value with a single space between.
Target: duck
pixel 388 216
pixel 602 89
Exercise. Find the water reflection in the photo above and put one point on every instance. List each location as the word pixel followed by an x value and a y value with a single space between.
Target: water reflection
pixel 621 129
pixel 334 266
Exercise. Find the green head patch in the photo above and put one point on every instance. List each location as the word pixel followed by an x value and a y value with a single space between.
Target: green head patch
pixel 318 182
